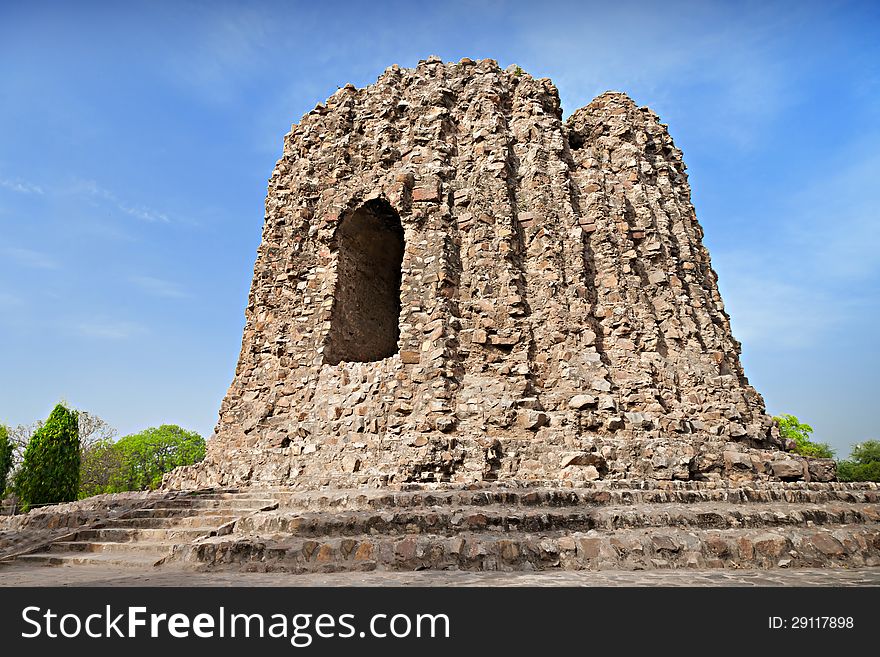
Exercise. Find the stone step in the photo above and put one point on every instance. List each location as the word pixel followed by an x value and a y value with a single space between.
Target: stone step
pixel 148 535
pixel 184 512
pixel 452 520
pixel 259 495
pixel 600 484
pixel 135 547
pixel 115 560
pixel 562 497
pixel 196 520
pixel 230 504
pixel 612 525
pixel 846 546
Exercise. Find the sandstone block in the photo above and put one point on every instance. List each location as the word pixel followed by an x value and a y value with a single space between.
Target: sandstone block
pixel 585 459
pixel 529 419
pixel 737 461
pixel 791 469
pixel 588 548
pixel 350 463
pixel 827 544
pixel 426 193
pixel 410 357
pixel 581 401
pixel 822 469
pixel 771 545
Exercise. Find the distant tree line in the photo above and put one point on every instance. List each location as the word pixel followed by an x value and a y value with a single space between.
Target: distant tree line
pixel 75 454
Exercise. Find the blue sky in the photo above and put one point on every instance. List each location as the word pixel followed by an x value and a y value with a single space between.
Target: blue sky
pixel 137 139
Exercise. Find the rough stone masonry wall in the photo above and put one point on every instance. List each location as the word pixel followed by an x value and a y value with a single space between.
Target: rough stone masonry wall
pixel 559 316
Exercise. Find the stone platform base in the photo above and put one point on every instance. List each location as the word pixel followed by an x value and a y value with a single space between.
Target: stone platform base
pixel 621 525
pixel 484 460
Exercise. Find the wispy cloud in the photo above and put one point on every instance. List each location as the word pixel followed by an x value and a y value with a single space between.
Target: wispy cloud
pixel 9 301
pixel 29 258
pixel 20 186
pixel 769 312
pixel 12 307
pixel 227 48
pixel 159 287
pixel 816 267
pixel 91 189
pixel 836 224
pixel 109 329
pixel 745 86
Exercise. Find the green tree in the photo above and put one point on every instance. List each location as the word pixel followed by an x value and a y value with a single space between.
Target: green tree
pixel 100 469
pixel 7 451
pixel 863 463
pixel 20 436
pixel 147 455
pixel 790 428
pixel 100 462
pixel 866 452
pixel 49 472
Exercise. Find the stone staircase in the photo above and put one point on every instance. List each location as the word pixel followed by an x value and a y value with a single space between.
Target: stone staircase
pixel 146 536
pixel 611 525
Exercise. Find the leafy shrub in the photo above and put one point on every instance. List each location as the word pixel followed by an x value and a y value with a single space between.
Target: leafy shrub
pixel 7 450
pixel 863 463
pixel 49 472
pixel 793 429
pixel 866 452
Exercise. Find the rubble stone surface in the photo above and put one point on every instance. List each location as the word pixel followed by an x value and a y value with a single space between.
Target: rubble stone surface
pixel 456 285
pixel 43 524
pixel 609 525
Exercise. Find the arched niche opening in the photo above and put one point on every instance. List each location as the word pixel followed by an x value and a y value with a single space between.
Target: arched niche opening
pixel 364 320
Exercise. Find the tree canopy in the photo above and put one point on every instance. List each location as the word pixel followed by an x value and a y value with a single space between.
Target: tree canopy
pixel 144 457
pixel 863 463
pixel 800 433
pixel 7 450
pixel 49 471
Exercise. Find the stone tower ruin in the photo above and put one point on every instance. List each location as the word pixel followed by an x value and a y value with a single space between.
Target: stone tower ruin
pixel 454 284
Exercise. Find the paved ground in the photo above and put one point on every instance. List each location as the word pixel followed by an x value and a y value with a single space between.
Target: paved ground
pixel 23 575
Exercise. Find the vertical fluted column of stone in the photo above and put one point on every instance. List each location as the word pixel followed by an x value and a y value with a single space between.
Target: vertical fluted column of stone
pixel 427 152
pixel 569 371
pixel 495 338
pixel 676 365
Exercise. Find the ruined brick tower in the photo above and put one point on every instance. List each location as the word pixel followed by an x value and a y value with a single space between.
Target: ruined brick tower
pixel 454 284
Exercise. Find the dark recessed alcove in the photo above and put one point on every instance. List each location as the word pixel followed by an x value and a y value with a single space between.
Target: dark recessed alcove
pixel 364 322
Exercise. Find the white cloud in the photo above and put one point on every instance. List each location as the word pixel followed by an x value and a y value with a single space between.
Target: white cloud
pixel 29 258
pixel 109 329
pixel 20 186
pixel 816 268
pixel 143 213
pixel 91 189
pixel 660 53
pixel 159 287
pixel 770 313
pixel 225 49
pixel 9 301
pixel 836 219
